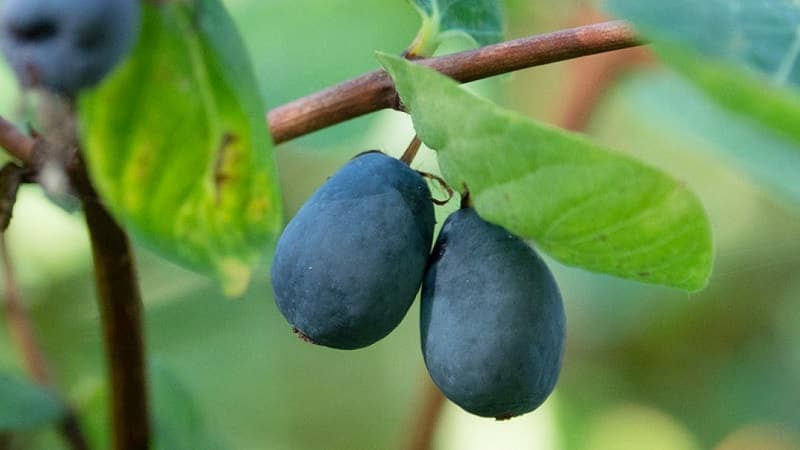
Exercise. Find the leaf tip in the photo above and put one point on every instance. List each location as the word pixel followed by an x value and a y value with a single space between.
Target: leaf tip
pixel 234 276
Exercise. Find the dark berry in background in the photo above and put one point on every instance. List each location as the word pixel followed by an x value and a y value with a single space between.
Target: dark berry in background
pixel 66 45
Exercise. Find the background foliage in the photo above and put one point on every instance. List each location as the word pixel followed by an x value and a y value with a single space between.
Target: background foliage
pixel 645 366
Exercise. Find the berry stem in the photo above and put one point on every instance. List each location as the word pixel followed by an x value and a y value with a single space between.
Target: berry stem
pixel 121 315
pixel 466 199
pixel 426 417
pixel 443 184
pixel 411 151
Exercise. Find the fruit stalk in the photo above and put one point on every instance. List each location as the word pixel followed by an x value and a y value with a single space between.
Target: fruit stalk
pixel 121 314
pixel 375 91
pixel 426 416
pixel 412 150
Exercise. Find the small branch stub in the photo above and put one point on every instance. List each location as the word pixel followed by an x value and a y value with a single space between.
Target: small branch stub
pixel 466 200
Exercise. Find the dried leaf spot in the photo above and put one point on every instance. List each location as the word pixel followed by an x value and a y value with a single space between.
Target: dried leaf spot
pixel 222 174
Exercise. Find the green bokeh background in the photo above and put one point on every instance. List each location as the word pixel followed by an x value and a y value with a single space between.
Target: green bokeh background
pixel 645 367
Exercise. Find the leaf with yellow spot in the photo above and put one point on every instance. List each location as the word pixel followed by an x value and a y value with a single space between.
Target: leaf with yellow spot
pixel 177 147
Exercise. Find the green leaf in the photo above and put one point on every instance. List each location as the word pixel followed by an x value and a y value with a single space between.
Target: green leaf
pixel 743 54
pixel 769 157
pixel 479 20
pixel 24 405
pixel 584 205
pixel 177 421
pixel 177 146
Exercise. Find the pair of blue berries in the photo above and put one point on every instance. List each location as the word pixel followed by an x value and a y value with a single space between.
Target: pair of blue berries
pixel 349 264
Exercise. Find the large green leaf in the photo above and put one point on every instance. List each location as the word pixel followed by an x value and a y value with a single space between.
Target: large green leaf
pixel 479 20
pixel 745 55
pixel 582 204
pixel 177 147
pixel 24 405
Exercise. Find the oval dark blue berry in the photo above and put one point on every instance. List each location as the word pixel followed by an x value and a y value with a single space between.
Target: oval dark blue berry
pixel 349 264
pixel 492 320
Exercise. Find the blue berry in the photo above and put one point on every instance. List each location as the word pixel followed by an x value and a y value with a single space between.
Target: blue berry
pixel 66 45
pixel 349 264
pixel 492 321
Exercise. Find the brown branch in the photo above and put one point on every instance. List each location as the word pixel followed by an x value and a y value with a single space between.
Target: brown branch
pixel 427 418
pixel 375 90
pixel 121 314
pixel 411 150
pixel 16 143
pixel 123 330
pixel 18 322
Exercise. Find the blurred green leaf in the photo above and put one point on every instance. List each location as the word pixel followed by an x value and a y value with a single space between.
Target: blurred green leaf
pixel 24 405
pixel 479 20
pixel 771 158
pixel 743 54
pixel 582 204
pixel 178 423
pixel 177 146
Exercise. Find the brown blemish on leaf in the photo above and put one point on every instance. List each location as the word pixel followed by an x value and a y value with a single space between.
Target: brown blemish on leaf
pixel 221 177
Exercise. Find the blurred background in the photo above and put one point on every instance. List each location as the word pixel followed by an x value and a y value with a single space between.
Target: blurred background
pixel 645 367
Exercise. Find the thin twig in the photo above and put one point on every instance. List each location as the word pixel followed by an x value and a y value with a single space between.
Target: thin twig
pixel 123 331
pixel 16 143
pixel 21 329
pixel 427 417
pixel 19 323
pixel 11 177
pixel 442 184
pixel 374 91
pixel 121 314
pixel 411 150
